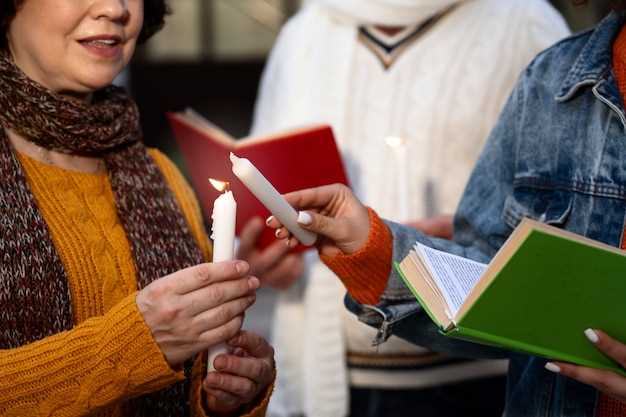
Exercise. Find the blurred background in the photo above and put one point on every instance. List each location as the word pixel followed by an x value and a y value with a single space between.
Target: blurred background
pixel 210 57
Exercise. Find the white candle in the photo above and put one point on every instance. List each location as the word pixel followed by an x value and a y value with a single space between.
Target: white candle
pixel 223 234
pixel 270 198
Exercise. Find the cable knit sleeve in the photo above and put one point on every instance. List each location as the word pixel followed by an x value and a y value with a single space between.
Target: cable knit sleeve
pixel 365 272
pixel 99 362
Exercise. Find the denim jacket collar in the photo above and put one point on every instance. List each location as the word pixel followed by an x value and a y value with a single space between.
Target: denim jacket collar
pixel 594 61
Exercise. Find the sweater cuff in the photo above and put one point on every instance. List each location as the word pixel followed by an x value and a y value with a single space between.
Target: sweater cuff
pixel 365 273
pixel 149 370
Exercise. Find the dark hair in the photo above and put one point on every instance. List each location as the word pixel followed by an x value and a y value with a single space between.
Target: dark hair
pixel 154 18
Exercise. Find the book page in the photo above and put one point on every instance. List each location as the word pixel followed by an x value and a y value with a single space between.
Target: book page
pixel 454 275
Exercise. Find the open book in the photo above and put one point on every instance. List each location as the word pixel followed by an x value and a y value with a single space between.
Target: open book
pixel 539 293
pixel 292 160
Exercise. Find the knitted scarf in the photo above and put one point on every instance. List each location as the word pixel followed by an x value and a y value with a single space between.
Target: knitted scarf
pixel 35 301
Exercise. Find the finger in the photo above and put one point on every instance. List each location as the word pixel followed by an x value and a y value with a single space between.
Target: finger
pixel 320 224
pixel 254 344
pixel 282 233
pixel 249 237
pixel 270 257
pixel 221 314
pixel 219 293
pixel 601 379
pixel 286 273
pixel 244 389
pixel 220 401
pixel 258 370
pixel 608 345
pixel 273 222
pixel 312 198
pixel 220 334
pixel 195 277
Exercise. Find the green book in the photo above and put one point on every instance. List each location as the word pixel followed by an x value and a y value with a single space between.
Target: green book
pixel 539 293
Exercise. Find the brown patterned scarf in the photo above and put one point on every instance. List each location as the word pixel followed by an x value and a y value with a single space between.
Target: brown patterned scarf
pixel 35 300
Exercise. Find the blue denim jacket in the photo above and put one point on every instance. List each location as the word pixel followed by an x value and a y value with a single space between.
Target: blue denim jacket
pixel 558 155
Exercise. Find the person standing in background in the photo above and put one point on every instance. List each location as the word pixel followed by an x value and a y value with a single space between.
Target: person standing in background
pixel 412 89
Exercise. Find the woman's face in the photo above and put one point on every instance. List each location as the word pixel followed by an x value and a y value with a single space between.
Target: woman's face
pixel 75 46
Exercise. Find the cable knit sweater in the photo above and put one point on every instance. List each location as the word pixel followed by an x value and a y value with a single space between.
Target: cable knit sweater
pixel 110 355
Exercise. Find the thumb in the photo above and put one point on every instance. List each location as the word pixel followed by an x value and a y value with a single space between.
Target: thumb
pixel 320 224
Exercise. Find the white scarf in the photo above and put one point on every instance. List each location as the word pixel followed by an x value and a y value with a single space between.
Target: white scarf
pixel 386 12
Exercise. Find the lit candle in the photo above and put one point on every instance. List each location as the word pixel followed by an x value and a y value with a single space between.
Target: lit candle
pixel 223 234
pixel 270 198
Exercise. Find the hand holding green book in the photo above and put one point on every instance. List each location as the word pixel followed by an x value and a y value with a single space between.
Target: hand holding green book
pixel 543 288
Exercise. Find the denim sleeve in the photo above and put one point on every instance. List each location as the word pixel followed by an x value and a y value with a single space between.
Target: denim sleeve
pixel 479 231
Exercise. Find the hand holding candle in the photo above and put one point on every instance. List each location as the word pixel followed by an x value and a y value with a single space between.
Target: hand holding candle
pixel 223 234
pixel 262 189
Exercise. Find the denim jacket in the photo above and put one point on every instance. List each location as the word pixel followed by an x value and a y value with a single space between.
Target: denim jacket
pixel 558 155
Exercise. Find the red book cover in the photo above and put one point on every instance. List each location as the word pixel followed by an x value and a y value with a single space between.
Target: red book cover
pixel 291 161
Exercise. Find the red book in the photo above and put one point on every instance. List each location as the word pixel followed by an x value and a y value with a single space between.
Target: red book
pixel 291 161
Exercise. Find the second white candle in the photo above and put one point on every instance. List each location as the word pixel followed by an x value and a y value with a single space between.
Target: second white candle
pixel 271 198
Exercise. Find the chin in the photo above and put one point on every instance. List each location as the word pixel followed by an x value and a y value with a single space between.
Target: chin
pixel 94 81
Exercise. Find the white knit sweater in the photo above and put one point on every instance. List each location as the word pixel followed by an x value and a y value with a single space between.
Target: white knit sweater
pixel 440 98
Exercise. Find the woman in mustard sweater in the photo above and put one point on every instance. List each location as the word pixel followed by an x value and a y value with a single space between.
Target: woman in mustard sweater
pixel 90 219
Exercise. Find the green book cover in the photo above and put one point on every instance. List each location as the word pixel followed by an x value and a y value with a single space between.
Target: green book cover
pixel 548 287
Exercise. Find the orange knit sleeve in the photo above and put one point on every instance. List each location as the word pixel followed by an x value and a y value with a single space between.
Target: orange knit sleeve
pixel 98 363
pixel 365 272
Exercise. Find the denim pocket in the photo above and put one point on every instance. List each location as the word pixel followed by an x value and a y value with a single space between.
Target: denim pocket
pixel 550 206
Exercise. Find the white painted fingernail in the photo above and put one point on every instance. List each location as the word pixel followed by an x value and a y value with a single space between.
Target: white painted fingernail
pixel 552 367
pixel 592 336
pixel 269 220
pixel 305 218
pixel 277 233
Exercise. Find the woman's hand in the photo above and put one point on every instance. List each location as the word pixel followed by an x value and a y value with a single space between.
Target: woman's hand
pixel 198 307
pixel 274 266
pixel 334 213
pixel 241 376
pixel 608 382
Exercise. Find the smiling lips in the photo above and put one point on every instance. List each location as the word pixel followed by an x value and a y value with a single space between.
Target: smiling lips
pixel 104 46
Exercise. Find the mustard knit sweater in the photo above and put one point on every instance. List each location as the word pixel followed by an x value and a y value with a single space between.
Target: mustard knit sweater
pixel 110 355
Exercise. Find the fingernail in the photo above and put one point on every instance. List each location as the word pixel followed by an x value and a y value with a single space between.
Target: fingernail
pixel 254 283
pixel 241 267
pixel 552 367
pixel 592 336
pixel 305 218
pixel 269 220
pixel 277 233
pixel 219 363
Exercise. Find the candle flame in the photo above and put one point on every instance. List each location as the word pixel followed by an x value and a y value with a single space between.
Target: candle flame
pixel 221 186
